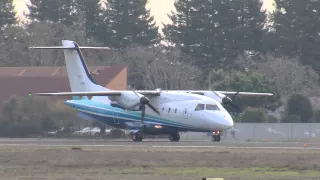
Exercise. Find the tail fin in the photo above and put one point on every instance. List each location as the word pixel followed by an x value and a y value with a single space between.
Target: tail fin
pixel 79 77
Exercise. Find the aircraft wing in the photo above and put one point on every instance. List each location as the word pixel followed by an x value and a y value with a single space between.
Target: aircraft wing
pixel 146 92
pixel 244 93
pixel 95 93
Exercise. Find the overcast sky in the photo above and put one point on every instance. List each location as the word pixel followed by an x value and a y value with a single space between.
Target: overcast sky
pixel 159 8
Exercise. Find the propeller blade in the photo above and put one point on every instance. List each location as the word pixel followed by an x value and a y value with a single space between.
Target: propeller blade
pixel 153 108
pixel 143 109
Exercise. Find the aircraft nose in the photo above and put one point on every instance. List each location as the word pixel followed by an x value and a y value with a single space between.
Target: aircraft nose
pixel 229 121
pixel 223 121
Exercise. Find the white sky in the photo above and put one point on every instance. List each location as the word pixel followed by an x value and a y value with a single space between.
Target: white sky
pixel 159 8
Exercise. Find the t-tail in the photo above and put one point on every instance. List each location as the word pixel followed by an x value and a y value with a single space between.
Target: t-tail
pixel 79 77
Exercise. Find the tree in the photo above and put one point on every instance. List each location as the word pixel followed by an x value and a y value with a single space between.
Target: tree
pixel 250 31
pixel 16 40
pixel 29 116
pixel 180 32
pixel 151 68
pixel 57 11
pixel 316 116
pixel 291 119
pixel 91 13
pixel 297 28
pixel 7 14
pixel 299 105
pixel 128 22
pixel 215 32
pixel 246 82
pixel 289 74
pixel 254 115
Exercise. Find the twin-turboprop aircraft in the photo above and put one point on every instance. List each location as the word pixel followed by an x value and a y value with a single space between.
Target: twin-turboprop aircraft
pixel 144 112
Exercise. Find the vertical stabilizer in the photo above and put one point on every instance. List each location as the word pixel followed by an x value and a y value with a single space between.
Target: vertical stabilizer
pixel 79 77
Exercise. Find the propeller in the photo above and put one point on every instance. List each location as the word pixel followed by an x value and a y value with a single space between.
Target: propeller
pixel 227 100
pixel 143 102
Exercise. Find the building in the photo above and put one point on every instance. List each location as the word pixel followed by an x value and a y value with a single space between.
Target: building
pixel 22 81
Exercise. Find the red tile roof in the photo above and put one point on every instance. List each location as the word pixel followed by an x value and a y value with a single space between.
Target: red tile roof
pixel 24 80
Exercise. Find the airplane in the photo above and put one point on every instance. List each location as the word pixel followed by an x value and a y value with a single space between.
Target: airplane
pixel 144 112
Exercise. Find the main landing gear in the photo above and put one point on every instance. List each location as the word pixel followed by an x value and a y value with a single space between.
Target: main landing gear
pixel 174 137
pixel 215 136
pixel 137 137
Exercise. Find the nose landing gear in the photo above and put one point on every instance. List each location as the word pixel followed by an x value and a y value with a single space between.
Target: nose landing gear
pixel 215 136
pixel 174 137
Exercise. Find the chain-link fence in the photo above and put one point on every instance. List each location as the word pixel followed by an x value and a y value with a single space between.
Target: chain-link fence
pixel 264 132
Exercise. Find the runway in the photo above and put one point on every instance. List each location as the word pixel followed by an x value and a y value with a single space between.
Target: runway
pixel 156 144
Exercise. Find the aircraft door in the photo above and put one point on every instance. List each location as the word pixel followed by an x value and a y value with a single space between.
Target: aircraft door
pixel 116 117
pixel 185 112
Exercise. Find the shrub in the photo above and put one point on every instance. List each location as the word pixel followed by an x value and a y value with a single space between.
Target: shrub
pixel 254 115
pixel 291 119
pixel 32 116
pixel 316 116
pixel 272 119
pixel 299 105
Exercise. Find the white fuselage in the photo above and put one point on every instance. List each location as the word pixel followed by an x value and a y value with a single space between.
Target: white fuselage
pixel 177 108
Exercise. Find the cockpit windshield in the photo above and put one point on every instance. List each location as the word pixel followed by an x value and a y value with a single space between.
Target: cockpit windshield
pixel 212 107
pixel 199 107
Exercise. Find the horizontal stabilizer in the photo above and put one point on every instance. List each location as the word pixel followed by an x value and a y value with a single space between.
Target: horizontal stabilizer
pixel 62 47
pixel 94 93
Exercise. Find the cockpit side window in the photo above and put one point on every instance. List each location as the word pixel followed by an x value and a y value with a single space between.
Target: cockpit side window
pixel 199 107
pixel 212 107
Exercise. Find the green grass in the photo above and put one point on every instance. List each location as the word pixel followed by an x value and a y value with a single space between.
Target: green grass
pixel 77 148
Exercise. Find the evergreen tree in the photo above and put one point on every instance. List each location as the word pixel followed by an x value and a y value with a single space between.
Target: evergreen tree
pixel 215 32
pixel 180 31
pixel 7 13
pixel 129 22
pixel 296 23
pixel 250 30
pixel 58 11
pixel 196 29
pixel 90 14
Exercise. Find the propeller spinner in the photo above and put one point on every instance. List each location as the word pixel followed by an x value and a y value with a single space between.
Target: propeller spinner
pixel 227 100
pixel 143 102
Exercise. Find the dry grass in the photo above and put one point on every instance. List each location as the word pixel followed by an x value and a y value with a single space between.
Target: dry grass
pixel 91 163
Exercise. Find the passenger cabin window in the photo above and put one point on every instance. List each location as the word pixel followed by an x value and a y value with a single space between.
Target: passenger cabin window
pixel 212 107
pixel 199 107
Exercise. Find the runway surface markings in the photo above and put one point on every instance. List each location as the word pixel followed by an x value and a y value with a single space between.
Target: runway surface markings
pixel 158 146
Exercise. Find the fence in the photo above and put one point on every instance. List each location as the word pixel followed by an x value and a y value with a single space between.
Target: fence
pixel 264 131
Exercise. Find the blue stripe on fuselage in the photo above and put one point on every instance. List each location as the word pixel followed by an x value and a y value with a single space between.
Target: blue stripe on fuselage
pixel 107 113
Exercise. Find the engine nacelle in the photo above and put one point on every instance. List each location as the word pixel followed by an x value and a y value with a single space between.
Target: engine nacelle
pixel 126 100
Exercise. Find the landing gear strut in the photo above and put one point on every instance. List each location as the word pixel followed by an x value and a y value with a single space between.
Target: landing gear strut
pixel 137 137
pixel 215 136
pixel 174 137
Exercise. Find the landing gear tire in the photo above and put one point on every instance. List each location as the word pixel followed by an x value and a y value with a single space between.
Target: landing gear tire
pixel 137 137
pixel 174 137
pixel 216 138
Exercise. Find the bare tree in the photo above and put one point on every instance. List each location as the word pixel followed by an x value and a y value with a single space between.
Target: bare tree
pixel 290 75
pixel 151 68
pixel 16 40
